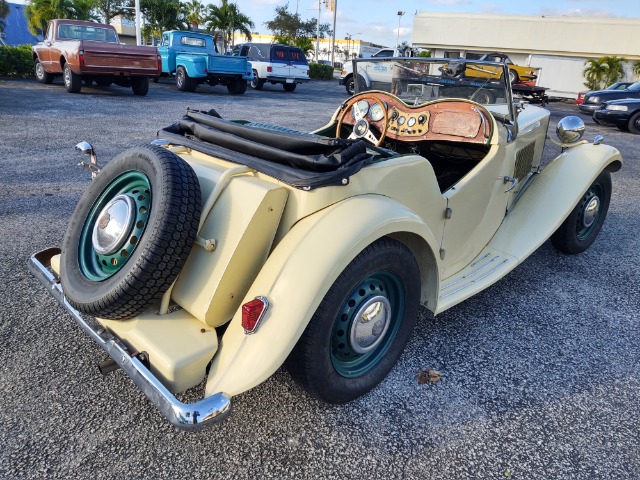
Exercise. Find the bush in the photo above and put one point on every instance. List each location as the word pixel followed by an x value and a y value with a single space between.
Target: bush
pixel 320 72
pixel 16 61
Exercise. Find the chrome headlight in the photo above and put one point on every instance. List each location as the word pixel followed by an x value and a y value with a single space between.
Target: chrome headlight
pixel 570 129
pixel 619 108
pixel 593 100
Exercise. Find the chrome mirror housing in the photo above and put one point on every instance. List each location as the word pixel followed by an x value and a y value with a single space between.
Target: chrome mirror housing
pixel 570 129
pixel 92 167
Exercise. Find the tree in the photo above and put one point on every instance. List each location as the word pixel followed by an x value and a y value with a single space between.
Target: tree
pixel 636 68
pixel 603 71
pixel 194 13
pixel 290 26
pixel 40 12
pixel 4 13
pixel 228 19
pixel 161 15
pixel 107 9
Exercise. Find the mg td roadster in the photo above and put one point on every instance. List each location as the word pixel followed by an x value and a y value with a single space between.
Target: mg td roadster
pixel 224 249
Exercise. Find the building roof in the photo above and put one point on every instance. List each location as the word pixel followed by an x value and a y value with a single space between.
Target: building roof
pixel 15 30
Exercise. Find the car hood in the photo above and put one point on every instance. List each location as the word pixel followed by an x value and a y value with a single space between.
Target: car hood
pixel 611 94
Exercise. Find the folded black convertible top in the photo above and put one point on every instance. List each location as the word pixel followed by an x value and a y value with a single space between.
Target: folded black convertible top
pixel 299 159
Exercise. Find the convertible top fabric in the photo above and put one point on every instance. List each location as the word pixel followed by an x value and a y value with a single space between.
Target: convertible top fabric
pixel 299 159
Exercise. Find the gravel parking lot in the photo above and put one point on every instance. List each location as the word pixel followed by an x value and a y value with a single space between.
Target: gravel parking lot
pixel 540 373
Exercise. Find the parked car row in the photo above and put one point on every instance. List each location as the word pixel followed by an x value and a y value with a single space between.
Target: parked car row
pixel 88 52
pixel 618 104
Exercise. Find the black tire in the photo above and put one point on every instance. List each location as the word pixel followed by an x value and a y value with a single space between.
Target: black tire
pixel 257 83
pixel 484 97
pixel 184 82
pixel 237 86
pixel 513 76
pixel 583 224
pixel 289 87
pixel 72 81
pixel 623 128
pixel 140 85
pixel 634 123
pixel 324 361
pixel 350 87
pixel 149 253
pixel 41 75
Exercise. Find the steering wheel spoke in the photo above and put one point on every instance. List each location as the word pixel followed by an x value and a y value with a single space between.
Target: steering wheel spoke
pixel 362 124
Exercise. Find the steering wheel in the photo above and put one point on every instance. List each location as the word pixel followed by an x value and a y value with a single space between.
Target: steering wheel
pixel 362 125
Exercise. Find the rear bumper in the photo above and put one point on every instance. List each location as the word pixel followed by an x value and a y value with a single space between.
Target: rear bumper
pixel 280 79
pixel 186 416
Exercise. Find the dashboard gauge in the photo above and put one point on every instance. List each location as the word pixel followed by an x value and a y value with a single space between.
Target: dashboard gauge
pixel 360 109
pixel 376 113
pixel 401 120
pixel 411 122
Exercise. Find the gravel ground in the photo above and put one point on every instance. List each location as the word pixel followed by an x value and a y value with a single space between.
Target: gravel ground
pixel 540 373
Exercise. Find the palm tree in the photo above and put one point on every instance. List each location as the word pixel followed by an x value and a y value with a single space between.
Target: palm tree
pixel 40 12
pixel 161 15
pixel 594 73
pixel 636 68
pixel 194 13
pixel 615 69
pixel 228 19
pixel 4 13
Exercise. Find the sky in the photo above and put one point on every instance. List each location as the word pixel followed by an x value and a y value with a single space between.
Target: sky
pixel 376 21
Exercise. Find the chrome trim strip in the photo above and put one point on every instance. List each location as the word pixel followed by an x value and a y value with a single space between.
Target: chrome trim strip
pixel 475 272
pixel 186 416
pixel 462 287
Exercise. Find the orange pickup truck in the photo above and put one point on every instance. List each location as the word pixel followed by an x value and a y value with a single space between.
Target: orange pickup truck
pixel 91 52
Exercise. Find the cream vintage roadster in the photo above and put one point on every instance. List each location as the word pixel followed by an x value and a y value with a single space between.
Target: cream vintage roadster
pixel 224 249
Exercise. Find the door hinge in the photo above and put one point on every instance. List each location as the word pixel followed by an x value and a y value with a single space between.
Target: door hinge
pixel 448 212
pixel 442 253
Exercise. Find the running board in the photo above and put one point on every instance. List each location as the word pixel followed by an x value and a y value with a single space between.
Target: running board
pixel 487 268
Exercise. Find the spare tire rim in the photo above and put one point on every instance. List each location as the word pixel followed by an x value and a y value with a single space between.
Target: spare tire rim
pixel 367 324
pixel 114 226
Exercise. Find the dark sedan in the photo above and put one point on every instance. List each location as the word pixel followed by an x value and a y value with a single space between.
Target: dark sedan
pixel 624 114
pixel 593 100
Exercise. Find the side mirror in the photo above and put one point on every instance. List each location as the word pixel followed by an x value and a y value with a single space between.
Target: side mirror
pixel 87 149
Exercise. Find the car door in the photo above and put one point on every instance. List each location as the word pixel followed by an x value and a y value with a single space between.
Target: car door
pixel 44 53
pixel 298 67
pixel 476 206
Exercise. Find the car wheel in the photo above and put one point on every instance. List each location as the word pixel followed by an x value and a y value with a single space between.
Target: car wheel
pixel 513 76
pixel 583 224
pixel 140 85
pixel 361 326
pixel 131 233
pixel 257 83
pixel 634 123
pixel 183 81
pixel 41 75
pixel 72 81
pixel 483 97
pixel 289 87
pixel 237 86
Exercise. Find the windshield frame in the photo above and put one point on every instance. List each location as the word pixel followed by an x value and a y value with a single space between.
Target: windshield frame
pixel 505 115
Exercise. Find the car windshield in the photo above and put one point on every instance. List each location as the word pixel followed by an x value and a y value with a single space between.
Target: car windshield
pixel 419 80
pixel 82 32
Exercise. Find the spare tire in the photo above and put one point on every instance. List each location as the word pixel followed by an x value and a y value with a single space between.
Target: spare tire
pixel 131 233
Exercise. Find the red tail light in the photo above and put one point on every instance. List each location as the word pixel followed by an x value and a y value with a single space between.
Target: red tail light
pixel 252 314
pixel 81 57
pixel 269 69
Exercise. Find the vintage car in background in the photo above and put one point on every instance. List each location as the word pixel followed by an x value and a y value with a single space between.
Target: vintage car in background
pixel 225 249
pixel 624 114
pixel 593 100
pixel 89 52
pixel 615 86
pixel 193 58
pixel 517 73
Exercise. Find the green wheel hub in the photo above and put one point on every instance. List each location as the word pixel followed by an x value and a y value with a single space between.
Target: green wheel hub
pixel 114 226
pixel 590 211
pixel 367 324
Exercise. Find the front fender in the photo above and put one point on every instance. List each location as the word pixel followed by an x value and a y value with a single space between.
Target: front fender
pixel 195 65
pixel 551 197
pixel 298 274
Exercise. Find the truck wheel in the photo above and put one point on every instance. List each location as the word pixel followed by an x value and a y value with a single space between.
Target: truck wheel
pixel 72 81
pixel 583 224
pixel 41 75
pixel 131 233
pixel 350 84
pixel 289 87
pixel 361 326
pixel 140 85
pixel 483 97
pixel 513 76
pixel 237 86
pixel 183 81
pixel 257 83
pixel 634 123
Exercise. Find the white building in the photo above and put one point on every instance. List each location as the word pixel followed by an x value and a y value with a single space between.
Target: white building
pixel 559 45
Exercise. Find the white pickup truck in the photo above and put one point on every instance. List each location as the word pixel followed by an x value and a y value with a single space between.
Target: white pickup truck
pixel 370 76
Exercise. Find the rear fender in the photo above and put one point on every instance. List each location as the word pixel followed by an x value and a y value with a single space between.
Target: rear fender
pixel 195 65
pixel 551 197
pixel 298 274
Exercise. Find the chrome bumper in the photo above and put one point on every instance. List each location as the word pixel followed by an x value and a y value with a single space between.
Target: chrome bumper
pixel 186 416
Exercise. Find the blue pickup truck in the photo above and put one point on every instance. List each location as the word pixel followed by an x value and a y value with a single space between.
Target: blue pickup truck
pixel 193 58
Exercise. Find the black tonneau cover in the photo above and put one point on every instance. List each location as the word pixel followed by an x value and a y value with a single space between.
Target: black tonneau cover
pixel 298 159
